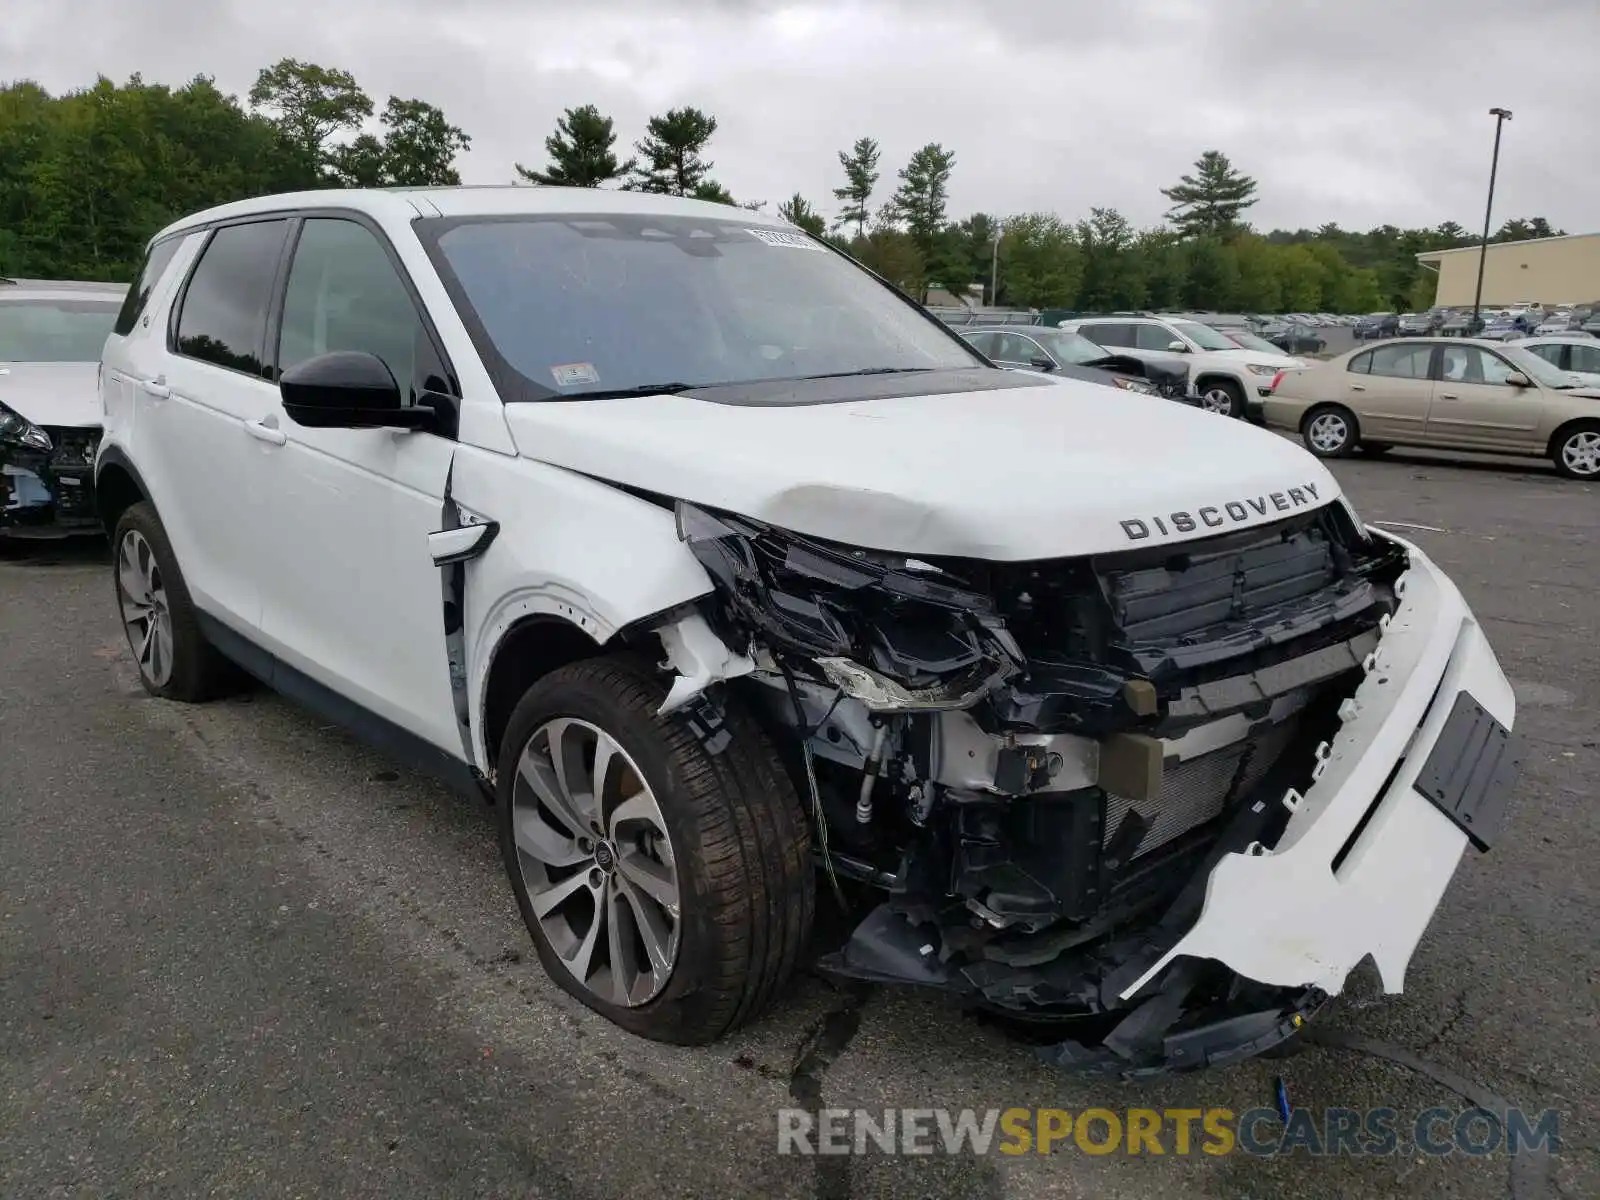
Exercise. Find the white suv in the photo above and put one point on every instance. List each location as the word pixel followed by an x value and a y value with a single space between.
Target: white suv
pixel 1229 378
pixel 713 561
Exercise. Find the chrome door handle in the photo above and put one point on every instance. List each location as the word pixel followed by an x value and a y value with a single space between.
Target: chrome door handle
pixel 1448 396
pixel 263 432
pixel 156 388
pixel 1358 387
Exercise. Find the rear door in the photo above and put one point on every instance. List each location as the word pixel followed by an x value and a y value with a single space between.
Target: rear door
pixel 1474 406
pixel 1389 390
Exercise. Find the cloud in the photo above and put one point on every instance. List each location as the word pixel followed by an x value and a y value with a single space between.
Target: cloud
pixel 1363 112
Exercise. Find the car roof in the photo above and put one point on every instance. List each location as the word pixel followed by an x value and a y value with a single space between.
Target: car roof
pixel 490 200
pixel 61 289
pixel 1573 339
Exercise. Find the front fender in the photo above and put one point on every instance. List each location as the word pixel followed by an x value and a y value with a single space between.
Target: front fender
pixel 570 547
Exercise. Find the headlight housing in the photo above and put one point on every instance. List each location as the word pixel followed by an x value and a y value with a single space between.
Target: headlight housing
pixel 1256 369
pixel 18 430
pixel 1133 385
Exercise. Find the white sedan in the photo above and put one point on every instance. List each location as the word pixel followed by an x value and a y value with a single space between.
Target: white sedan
pixel 1578 354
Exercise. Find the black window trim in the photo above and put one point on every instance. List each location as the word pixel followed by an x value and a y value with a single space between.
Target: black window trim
pixel 1032 341
pixel 1360 364
pixel 175 313
pixel 132 297
pixel 274 319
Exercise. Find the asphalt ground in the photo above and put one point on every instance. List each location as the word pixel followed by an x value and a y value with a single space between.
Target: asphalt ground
pixel 242 956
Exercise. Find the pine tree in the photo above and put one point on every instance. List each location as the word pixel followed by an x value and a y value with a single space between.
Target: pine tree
pixel 1208 203
pixel 672 152
pixel 924 191
pixel 796 211
pixel 580 150
pixel 861 176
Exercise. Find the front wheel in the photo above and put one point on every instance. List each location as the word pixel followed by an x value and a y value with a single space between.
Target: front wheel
pixel 1223 398
pixel 1329 432
pixel 666 884
pixel 1577 452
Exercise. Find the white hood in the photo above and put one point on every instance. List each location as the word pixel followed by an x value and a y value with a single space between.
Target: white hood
pixel 1260 358
pixel 1065 469
pixel 65 393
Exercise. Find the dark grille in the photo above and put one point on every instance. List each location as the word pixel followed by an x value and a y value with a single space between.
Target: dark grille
pixel 73 447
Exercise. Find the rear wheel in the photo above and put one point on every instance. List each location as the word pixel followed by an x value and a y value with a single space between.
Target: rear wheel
pixel 1222 397
pixel 1329 431
pixel 666 885
pixel 174 659
pixel 1577 451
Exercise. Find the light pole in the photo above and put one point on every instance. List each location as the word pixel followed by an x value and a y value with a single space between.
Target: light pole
pixel 994 271
pixel 1501 116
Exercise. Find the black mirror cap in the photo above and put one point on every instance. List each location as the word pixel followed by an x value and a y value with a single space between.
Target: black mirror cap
pixel 1043 364
pixel 347 389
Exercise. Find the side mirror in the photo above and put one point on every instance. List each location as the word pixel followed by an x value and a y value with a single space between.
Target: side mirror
pixel 1518 379
pixel 347 389
pixel 1177 348
pixel 1043 364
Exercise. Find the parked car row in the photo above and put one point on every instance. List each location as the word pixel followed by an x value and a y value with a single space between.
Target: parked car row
pixel 721 568
pixel 1494 323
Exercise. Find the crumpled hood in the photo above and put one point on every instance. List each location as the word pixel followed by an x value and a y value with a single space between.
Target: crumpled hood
pixel 1066 468
pixel 65 393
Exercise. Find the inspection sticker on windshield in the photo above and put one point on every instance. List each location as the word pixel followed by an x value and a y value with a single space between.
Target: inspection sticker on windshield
pixel 572 374
pixel 782 237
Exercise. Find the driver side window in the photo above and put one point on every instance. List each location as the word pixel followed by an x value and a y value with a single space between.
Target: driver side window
pixel 344 294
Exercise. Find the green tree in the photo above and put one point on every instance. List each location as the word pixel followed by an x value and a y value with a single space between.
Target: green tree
pixel 673 153
pixel 310 104
pixel 1040 264
pixel 419 145
pixel 923 194
pixel 581 152
pixel 1164 265
pixel 1259 290
pixel 1209 202
pixel 895 255
pixel 1213 279
pixel 1111 271
pixel 710 189
pixel 860 165
pixel 797 211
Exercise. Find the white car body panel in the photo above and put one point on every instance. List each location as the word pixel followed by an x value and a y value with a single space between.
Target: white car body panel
pixel 1286 917
pixel 64 393
pixel 1043 474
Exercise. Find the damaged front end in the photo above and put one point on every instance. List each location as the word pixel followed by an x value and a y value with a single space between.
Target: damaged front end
pixel 46 478
pixel 1042 769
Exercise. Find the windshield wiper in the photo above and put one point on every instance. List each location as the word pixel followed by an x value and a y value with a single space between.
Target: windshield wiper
pixel 867 371
pixel 644 389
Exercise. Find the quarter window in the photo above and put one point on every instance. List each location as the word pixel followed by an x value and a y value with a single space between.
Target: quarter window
pixel 1586 359
pixel 1401 362
pixel 155 262
pixel 1361 364
pixel 1108 333
pixel 345 294
pixel 224 317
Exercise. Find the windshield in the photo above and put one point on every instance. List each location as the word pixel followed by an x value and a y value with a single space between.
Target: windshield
pixel 573 305
pixel 1204 336
pixel 40 330
pixel 1251 342
pixel 1538 369
pixel 1070 347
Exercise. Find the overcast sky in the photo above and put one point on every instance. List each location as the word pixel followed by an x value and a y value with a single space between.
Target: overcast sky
pixel 1357 111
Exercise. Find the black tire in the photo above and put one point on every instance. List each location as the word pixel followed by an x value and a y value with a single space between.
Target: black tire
pixel 1327 418
pixel 1565 442
pixel 1375 448
pixel 198 672
pixel 1225 387
pixel 740 843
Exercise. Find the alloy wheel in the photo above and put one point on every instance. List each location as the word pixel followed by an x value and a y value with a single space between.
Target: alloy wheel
pixel 1328 432
pixel 1581 453
pixel 145 612
pixel 597 861
pixel 1218 400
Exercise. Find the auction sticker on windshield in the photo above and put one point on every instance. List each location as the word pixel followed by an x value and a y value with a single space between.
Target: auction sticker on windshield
pixel 572 374
pixel 782 237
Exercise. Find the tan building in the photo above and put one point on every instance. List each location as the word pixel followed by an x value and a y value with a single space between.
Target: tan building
pixel 1553 270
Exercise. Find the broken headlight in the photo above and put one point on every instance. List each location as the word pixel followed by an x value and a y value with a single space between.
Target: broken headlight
pixel 19 431
pixel 897 633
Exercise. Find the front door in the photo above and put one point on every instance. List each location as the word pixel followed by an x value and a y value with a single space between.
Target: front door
pixel 350 594
pixel 1389 390
pixel 1474 406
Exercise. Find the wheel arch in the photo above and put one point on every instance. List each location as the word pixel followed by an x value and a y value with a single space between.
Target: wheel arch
pixel 1565 429
pixel 118 486
pixel 531 648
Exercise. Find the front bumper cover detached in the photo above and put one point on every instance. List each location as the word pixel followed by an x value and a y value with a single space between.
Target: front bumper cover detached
pixel 1422 764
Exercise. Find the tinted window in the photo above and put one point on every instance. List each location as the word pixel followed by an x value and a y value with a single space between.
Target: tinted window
pixel 1153 337
pixel 54 330
pixel 1401 362
pixel 224 317
pixel 345 294
pixel 155 262
pixel 1585 358
pixel 1108 333
pixel 574 304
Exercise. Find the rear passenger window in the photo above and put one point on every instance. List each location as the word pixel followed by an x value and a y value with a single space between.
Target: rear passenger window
pixel 1108 333
pixel 345 294
pixel 155 262
pixel 1361 364
pixel 1154 337
pixel 1401 362
pixel 224 317
pixel 1551 353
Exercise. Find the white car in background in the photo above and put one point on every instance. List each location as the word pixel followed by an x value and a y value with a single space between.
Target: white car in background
pixel 1230 379
pixel 1577 354
pixel 51 334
